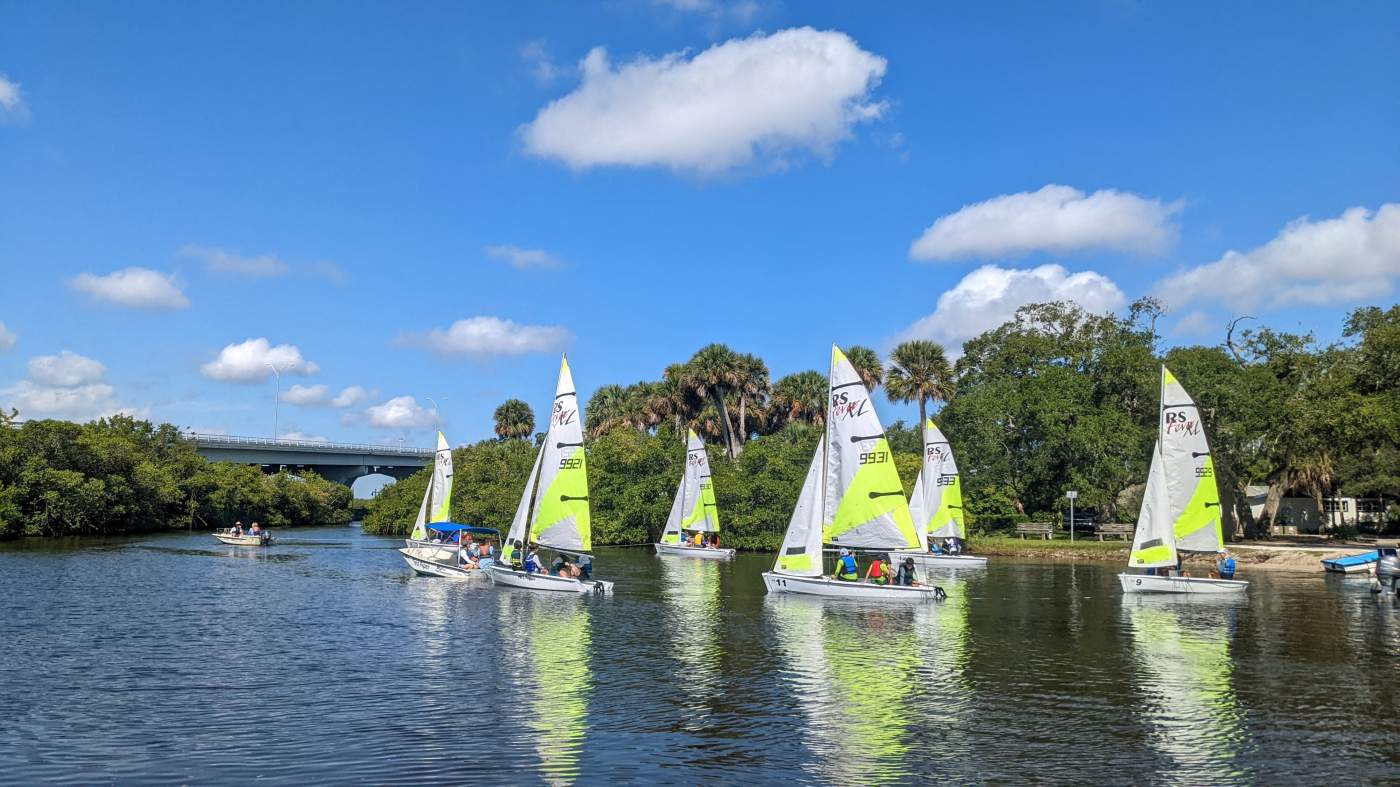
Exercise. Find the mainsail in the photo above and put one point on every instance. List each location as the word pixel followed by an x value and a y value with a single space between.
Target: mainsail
pixel 864 504
pixel 852 495
pixel 1181 505
pixel 936 502
pixel 437 498
pixel 553 510
pixel 694 505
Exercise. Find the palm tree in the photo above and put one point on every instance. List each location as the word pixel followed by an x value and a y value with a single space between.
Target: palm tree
pixel 712 372
pixel 754 385
pixel 919 371
pixel 605 411
pixel 682 403
pixel 800 397
pixel 867 364
pixel 514 419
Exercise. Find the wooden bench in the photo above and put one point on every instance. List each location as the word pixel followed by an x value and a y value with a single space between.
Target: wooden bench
pixel 1042 529
pixel 1121 531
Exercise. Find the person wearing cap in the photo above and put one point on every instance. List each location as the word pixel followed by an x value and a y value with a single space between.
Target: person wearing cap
pixel 905 574
pixel 1225 566
pixel 846 569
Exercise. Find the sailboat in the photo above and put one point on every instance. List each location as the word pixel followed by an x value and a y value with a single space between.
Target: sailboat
pixel 553 511
pixel 694 507
pixel 936 505
pixel 423 555
pixel 851 497
pixel 1181 505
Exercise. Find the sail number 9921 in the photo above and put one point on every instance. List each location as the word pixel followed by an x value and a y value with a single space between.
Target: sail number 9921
pixel 570 462
pixel 874 457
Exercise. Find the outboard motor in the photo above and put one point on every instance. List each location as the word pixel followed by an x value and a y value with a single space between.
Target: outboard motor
pixel 1388 567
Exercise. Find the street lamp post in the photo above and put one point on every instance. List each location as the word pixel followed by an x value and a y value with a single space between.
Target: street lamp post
pixel 436 427
pixel 1071 494
pixel 276 400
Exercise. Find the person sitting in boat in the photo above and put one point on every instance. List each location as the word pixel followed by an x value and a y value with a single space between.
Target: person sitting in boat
pixel 954 545
pixel 255 530
pixel 846 569
pixel 905 574
pixel 699 540
pixel 556 566
pixel 1225 566
pixel 516 549
pixel 935 548
pixel 532 561
pixel 585 567
pixel 714 540
pixel 237 529
pixel 877 573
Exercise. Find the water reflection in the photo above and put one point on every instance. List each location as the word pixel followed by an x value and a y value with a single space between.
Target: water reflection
pixel 853 671
pixel 946 693
pixel 1182 649
pixel 691 593
pixel 547 640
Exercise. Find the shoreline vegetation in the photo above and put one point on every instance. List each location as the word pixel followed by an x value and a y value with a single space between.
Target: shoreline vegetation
pixel 1054 399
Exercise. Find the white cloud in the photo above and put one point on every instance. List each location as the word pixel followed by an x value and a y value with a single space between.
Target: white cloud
pixel 1353 257
pixel 67 369
pixel 401 412
pixel 351 396
pixel 226 261
pixel 542 66
pixel 744 99
pixel 521 259
pixel 492 336
pixel 302 436
pixel 1196 323
pixel 306 395
pixel 8 338
pixel 136 288
pixel 248 362
pixel 990 295
pixel 739 12
pixel 13 108
pixel 67 386
pixel 1055 219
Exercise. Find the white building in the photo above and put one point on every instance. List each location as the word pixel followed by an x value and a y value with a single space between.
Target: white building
pixel 1300 514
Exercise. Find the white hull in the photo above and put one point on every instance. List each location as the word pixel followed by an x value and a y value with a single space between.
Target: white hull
pixel 1142 583
pixel 505 577
pixel 427 550
pixel 431 568
pixel 243 541
pixel 1354 568
pixel 833 588
pixel 930 560
pixel 706 553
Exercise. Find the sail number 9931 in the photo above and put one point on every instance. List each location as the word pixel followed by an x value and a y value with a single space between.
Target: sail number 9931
pixel 874 457
pixel 1205 472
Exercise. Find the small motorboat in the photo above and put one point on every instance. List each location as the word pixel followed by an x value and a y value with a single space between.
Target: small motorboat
pixel 243 539
pixel 442 556
pixel 1352 564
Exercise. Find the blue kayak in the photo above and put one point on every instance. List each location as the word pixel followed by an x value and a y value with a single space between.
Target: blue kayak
pixel 1352 564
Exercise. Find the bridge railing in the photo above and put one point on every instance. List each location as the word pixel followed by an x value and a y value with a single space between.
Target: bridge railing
pixel 235 441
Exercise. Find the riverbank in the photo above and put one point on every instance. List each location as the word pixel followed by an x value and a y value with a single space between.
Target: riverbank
pixel 1253 556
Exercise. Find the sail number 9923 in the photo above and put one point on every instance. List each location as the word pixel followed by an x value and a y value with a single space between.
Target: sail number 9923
pixel 874 457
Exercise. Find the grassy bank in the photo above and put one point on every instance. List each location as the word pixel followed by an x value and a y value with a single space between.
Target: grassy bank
pixel 1059 548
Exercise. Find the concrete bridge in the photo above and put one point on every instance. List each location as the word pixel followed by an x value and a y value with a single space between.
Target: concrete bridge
pixel 339 462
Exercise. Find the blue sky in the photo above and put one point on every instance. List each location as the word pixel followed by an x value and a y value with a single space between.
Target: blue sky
pixel 190 191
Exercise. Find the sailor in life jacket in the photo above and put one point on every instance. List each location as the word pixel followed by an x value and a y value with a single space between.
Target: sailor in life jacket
pixel 846 567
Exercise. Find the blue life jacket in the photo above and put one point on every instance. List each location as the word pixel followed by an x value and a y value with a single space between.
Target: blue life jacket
pixel 1227 568
pixel 847 566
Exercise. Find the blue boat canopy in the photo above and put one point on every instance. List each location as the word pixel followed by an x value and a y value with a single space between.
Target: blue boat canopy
pixel 454 527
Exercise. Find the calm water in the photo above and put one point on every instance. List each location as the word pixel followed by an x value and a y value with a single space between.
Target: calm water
pixel 173 659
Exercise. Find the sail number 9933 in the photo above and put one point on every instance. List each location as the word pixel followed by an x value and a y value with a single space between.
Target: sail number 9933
pixel 874 457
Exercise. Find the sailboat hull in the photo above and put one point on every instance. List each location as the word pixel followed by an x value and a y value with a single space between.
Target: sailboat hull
pixel 705 553
pixel 1142 583
pixel 930 560
pixel 433 568
pixel 832 588
pixel 506 577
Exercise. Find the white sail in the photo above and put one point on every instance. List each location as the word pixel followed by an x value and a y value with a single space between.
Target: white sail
pixel 561 513
pixel 519 525
pixel 437 498
pixel 918 509
pixel 1154 546
pixel 671 534
pixel 864 505
pixel 943 493
pixel 1193 500
pixel 801 553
